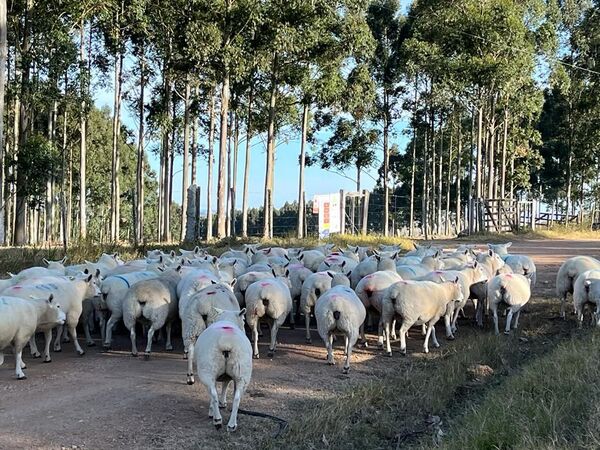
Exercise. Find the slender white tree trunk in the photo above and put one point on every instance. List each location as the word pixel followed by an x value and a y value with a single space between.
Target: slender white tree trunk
pixel 305 111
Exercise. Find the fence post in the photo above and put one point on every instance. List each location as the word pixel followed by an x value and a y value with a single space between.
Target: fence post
pixel 198 201
pixel 342 212
pixel 365 211
pixel 533 212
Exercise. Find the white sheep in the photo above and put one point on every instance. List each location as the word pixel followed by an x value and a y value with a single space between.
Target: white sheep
pixel 155 302
pixel 492 265
pixel 339 311
pixel 521 264
pixel 223 353
pixel 19 319
pixel 245 280
pixel 297 274
pixel 586 291
pixel 311 259
pixel 196 317
pixel 371 265
pixel 270 299
pixel 370 290
pixel 312 288
pixel 511 289
pixel 113 290
pixel 568 273
pixel 338 263
pixel 417 302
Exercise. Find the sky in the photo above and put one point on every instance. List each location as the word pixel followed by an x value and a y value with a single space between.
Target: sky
pixel 316 180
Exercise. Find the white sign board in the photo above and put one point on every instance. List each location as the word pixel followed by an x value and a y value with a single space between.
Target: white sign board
pixel 328 207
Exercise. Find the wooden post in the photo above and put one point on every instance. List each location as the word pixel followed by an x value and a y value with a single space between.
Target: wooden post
pixel 533 212
pixel 197 223
pixel 365 211
pixel 342 212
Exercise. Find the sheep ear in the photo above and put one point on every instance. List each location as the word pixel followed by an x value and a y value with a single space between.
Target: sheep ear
pixel 213 282
pixel 456 280
pixel 442 278
pixel 343 264
pixel 267 251
pixel 86 271
pixel 178 269
pixel 242 312
pixel 327 264
pixel 475 264
pixel 160 260
pixel 330 274
pixel 196 250
pixel 416 246
pixel 12 275
pixel 286 266
pixel 232 284
pixel 162 269
pixel 508 244
pixel 88 279
pixel 215 260
pixel 301 257
pixel 491 252
pixel 348 274
pixel 378 258
pixel 97 273
pixel 50 298
pixel 375 252
pixel 64 260
pixel 273 272
pixel 286 257
pixel 45 261
pixel 395 255
pixel 287 273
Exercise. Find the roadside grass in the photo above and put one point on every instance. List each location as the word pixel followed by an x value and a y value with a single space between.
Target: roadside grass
pixel 397 410
pixel 554 402
pixel 15 259
pixel 571 232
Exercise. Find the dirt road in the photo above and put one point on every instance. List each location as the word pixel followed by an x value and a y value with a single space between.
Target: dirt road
pixel 113 400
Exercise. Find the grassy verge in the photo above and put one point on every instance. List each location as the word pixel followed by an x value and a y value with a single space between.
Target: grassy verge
pixel 553 403
pixel 14 259
pixel 571 232
pixel 393 412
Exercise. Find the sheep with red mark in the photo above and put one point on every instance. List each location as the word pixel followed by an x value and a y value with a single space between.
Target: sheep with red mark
pixel 586 292
pixel 514 291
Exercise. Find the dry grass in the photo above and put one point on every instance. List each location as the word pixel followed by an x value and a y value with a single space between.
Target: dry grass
pixel 393 412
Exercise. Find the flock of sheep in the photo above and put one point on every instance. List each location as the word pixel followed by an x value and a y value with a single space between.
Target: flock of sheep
pixel 215 298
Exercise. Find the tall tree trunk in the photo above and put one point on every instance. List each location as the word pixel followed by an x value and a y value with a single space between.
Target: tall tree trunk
pixel 247 163
pixel 459 177
pixel 140 154
pixel 386 165
pixel 3 60
pixel 83 75
pixel 440 178
pixel 414 162
pixel 186 149
pixel 425 195
pixel 449 180
pixel 268 198
pixel 211 163
pixel 491 153
pixel 504 145
pixel 229 183
pixel 478 180
pixel 221 188
pixel 166 148
pixel 305 111
pixel 20 229
pixel 434 224
pixel 569 163
pixel 233 187
pixel 116 163
pixel 195 142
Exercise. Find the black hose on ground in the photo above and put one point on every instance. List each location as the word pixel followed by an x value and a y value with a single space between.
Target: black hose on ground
pixel 283 424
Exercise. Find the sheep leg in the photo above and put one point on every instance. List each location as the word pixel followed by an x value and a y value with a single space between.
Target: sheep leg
pixel 33 347
pixel 240 387
pixel 168 345
pixel 394 336
pixel 346 345
pixel 380 333
pixel 254 339
pixel 149 342
pixel 1 358
pixel 274 329
pixel 508 320
pixel 88 337
pixel 403 330
pixel 427 335
pixel 350 341
pixel 436 344
pixel 329 345
pixel 448 325
pixel 132 336
pixel 388 347
pixel 563 304
pixel 214 407
pixel 65 336
pixel 293 316
pixel 112 321
pixel 223 398
pixel 47 342
pixel 516 322
pixel 59 332
pixel 102 323
pixel 73 333
pixel 423 329
pixel 190 363
pixel 19 360
pixel 495 314
pixel 307 322
pixel 361 331
pixel 455 319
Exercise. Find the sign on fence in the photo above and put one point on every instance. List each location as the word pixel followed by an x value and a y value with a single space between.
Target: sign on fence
pixel 328 207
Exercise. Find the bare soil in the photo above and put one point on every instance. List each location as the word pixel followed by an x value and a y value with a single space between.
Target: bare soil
pixel 111 400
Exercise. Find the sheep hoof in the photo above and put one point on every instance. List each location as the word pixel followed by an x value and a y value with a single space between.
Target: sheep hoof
pixel 380 345
pixel 80 353
pixel 270 354
pixel 507 333
pixel 451 337
pixel 190 382
pixel 222 405
pixel 185 355
pixel 106 347
pixel 308 340
pixel 365 344
pixel 218 423
pixel 231 429
pixel 331 363
pixel 135 355
pixel 58 350
pixel 292 327
pixel 66 340
pixel 403 352
pixel 426 350
pixel 45 361
pixel 346 370
pixel 169 348
pixel 389 354
pixel 91 344
pixel 37 355
pixel 256 356
pixel 24 377
pixel 146 356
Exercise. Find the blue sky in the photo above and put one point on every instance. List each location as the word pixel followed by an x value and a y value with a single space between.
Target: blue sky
pixel 317 181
